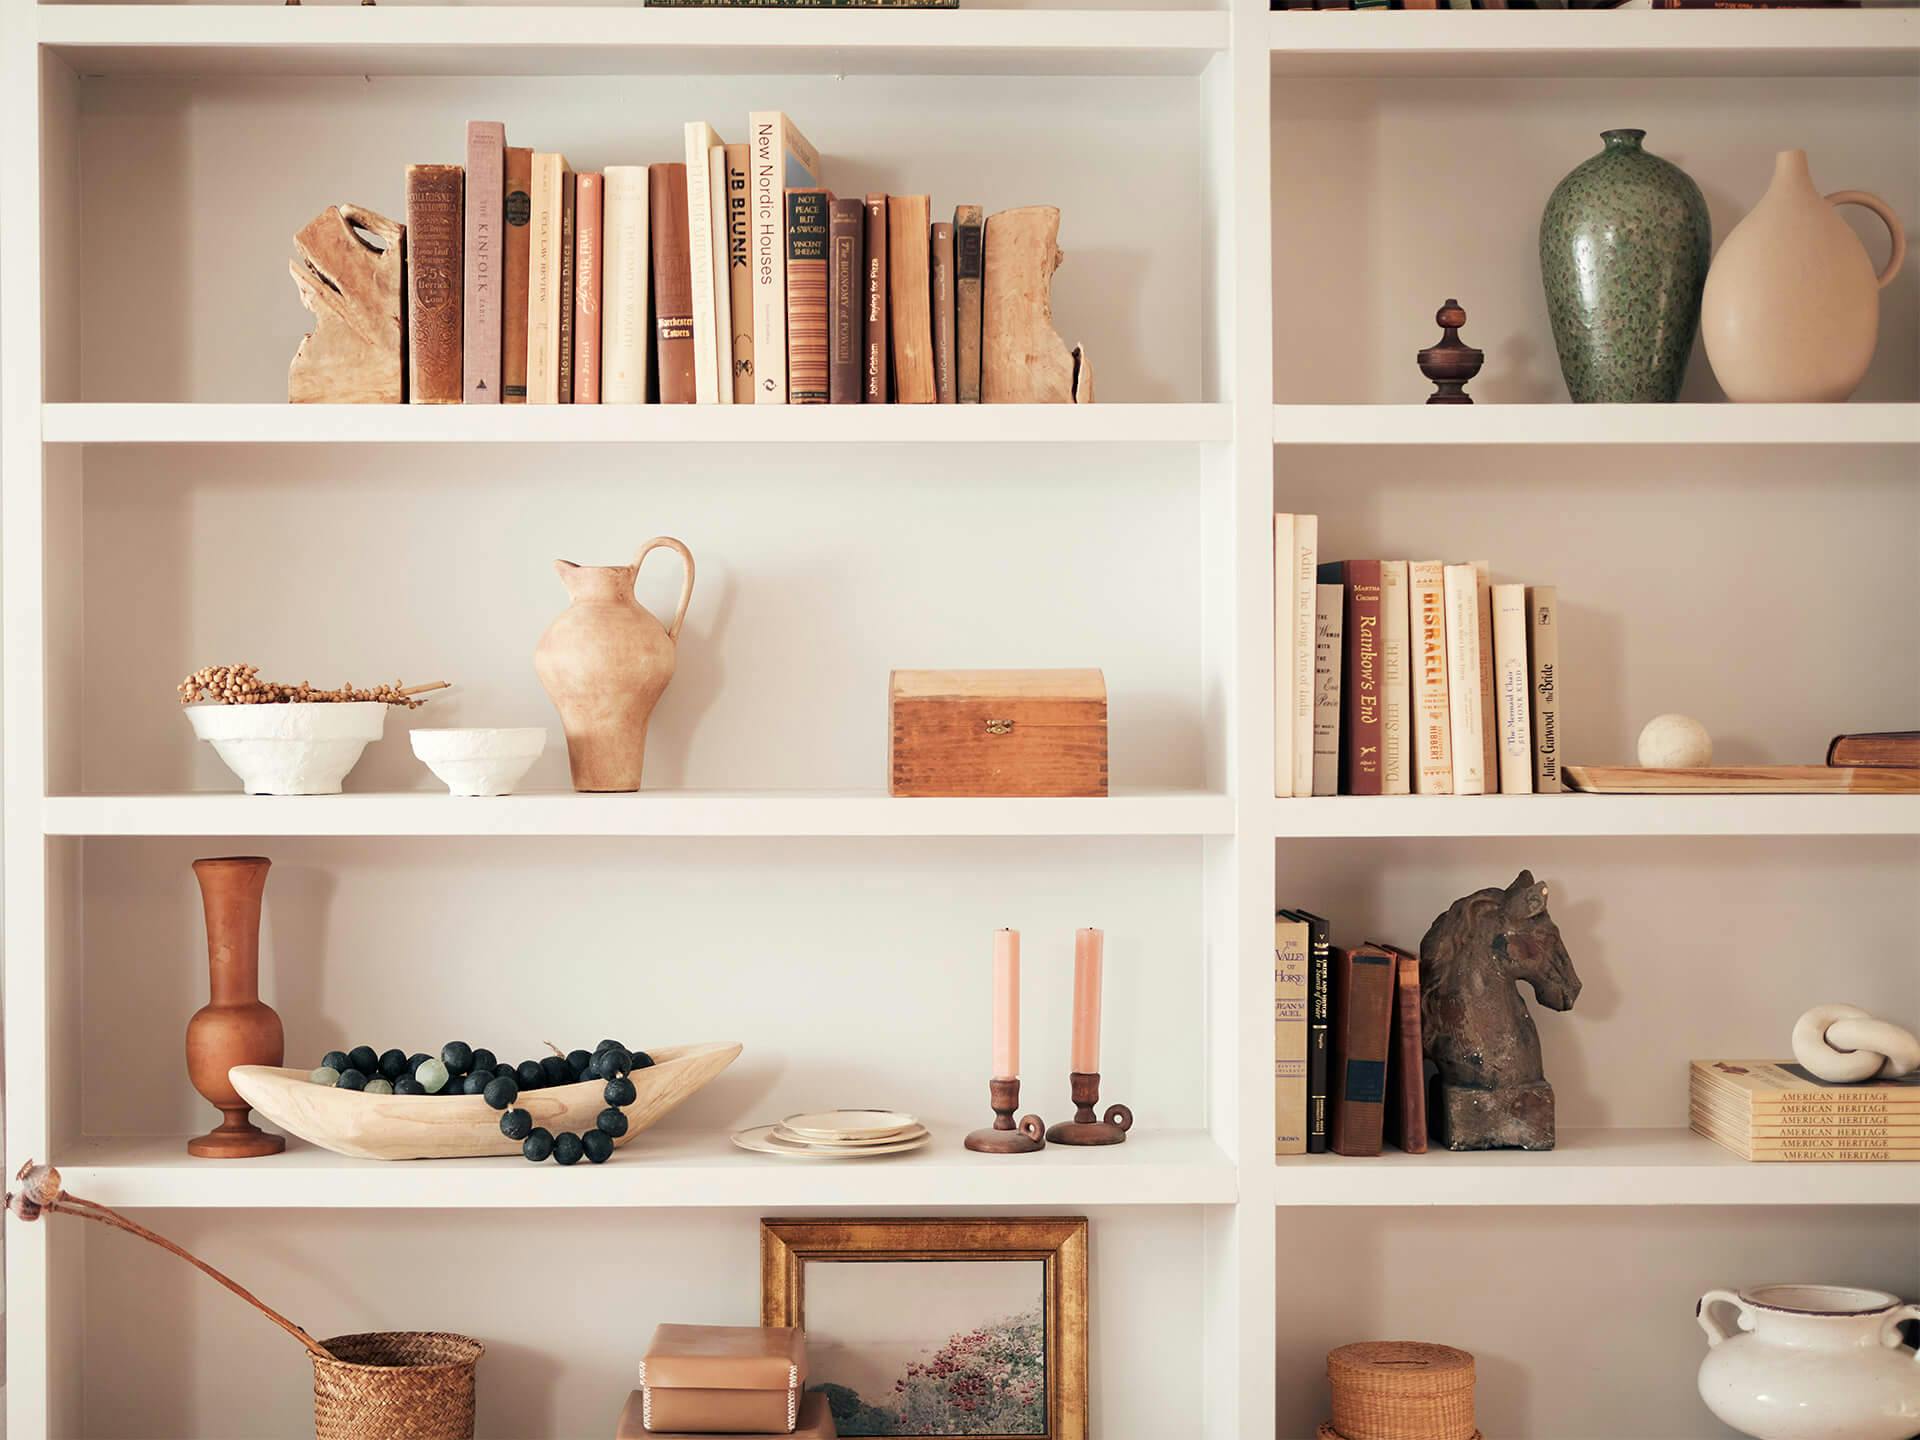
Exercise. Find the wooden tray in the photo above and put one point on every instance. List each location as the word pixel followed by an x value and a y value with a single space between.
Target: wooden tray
pixel 1743 780
pixel 438 1127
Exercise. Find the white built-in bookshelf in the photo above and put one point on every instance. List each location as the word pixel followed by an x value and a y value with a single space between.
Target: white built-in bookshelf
pixel 1261 214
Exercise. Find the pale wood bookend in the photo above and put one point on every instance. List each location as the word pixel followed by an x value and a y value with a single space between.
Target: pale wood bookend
pixel 1023 360
pixel 347 265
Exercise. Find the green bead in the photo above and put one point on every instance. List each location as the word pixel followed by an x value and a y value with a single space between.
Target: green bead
pixel 432 1076
pixel 379 1085
pixel 324 1075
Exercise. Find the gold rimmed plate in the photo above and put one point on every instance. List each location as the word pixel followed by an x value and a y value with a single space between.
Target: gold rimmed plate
pixel 840 1127
pixel 762 1141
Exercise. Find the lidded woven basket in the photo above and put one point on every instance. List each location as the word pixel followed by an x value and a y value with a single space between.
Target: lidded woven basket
pixel 396 1385
pixel 1402 1390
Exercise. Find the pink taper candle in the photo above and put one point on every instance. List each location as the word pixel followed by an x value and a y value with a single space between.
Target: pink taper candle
pixel 1086 1001
pixel 1006 1004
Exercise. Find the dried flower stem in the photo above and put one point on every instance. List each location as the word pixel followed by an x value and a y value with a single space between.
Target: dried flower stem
pixel 242 685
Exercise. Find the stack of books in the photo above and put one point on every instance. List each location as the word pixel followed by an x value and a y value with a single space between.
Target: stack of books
pixel 1777 1110
pixel 732 276
pixel 1397 677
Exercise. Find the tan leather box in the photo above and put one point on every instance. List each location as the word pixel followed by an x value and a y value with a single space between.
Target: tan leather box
pixel 723 1380
pixel 816 1422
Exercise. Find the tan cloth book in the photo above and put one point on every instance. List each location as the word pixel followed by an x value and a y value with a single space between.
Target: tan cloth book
pixel 1432 721
pixel 910 298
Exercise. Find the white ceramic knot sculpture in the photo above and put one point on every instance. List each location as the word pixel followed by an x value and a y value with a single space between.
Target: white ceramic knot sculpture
pixel 1844 1044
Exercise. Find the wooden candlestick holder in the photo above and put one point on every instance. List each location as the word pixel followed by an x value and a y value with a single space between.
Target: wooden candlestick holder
pixel 1085 1128
pixel 1004 1137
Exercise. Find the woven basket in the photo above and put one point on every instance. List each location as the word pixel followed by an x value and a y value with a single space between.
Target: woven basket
pixel 1327 1432
pixel 395 1385
pixel 1402 1390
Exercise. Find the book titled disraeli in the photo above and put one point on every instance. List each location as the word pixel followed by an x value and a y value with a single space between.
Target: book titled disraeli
pixel 1365 981
pixel 1290 963
pixel 589 252
pixel 1363 686
pixel 436 281
pixel 877 369
pixel 969 268
pixel 1319 1017
pixel 700 142
pixel 846 302
pixel 740 271
pixel 549 307
pixel 1329 622
pixel 1512 689
pixel 626 338
pixel 673 283
pixel 1396 695
pixel 1543 657
pixel 516 213
pixel 1463 680
pixel 909 298
pixel 486 199
pixel 945 389
pixel 780 160
pixel 1427 634
pixel 808 229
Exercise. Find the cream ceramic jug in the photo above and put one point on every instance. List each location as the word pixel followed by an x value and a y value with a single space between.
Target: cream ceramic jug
pixel 1792 305
pixel 1811 1362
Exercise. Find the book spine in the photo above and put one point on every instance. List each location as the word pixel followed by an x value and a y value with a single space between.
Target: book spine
pixel 543 283
pixel 945 389
pixel 969 268
pixel 1329 622
pixel 807 234
pixel 1319 1030
pixel 435 282
pixel 589 269
pixel 740 272
pixel 909 302
pixel 722 284
pixel 781 160
pixel 1363 1006
pixel 1432 719
pixel 626 340
pixel 1891 749
pixel 569 225
pixel 700 140
pixel 1409 1058
pixel 879 349
pixel 1290 965
pixel 1543 655
pixel 1489 730
pixel 1362 690
pixel 1396 696
pixel 1306 570
pixel 480 323
pixel 672 283
pixel 517 211
pixel 1512 689
pixel 846 303
pixel 1283 657
pixel 1463 681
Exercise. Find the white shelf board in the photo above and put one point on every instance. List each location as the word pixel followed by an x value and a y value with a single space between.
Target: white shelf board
pixel 1462 816
pixel 626 40
pixel 1623 43
pixel 651 812
pixel 1592 1167
pixel 118 424
pixel 661 1168
pixel 1421 424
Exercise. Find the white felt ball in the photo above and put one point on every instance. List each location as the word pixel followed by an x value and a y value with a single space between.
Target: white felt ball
pixel 1675 742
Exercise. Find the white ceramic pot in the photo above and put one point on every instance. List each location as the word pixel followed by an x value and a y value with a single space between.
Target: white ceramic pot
pixel 303 748
pixel 1811 1362
pixel 480 762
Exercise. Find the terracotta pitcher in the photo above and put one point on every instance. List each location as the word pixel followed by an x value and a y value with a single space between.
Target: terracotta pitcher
pixel 605 662
pixel 234 1027
pixel 1792 309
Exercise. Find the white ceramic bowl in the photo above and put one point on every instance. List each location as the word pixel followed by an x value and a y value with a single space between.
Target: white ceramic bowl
pixel 303 748
pixel 480 762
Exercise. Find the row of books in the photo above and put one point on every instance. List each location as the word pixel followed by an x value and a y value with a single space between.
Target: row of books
pixel 1349 1067
pixel 733 276
pixel 1573 4
pixel 1396 677
pixel 1780 1111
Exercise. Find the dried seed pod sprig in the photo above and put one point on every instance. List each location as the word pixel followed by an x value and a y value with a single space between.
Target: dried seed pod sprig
pixel 242 685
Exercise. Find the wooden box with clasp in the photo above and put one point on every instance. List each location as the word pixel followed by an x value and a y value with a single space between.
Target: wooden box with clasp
pixel 997 732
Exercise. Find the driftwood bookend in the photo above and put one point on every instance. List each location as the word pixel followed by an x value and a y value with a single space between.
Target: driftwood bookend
pixel 1023 360
pixel 347 264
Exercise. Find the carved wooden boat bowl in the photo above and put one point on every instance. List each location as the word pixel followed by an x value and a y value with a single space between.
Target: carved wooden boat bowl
pixel 439 1127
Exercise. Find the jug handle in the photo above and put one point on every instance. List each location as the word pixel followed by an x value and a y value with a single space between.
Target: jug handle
pixel 686 587
pixel 1709 1322
pixel 1895 230
pixel 1890 1336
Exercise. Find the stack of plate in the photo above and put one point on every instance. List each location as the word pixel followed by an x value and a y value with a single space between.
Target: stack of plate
pixel 837 1135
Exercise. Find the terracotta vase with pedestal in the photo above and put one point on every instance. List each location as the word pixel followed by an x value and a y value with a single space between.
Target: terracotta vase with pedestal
pixel 234 1027
pixel 1792 309
pixel 605 662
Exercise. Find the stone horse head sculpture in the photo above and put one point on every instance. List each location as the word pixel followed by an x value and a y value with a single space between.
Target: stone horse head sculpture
pixel 1491 1093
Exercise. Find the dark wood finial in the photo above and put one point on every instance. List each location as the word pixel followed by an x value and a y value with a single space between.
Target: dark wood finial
pixel 1449 363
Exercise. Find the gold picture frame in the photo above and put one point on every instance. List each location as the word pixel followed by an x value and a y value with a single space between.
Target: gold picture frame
pixel 1059 1243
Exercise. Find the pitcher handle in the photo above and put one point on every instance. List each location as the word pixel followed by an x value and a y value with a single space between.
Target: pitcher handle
pixel 686 588
pixel 1709 1322
pixel 1895 229
pixel 1890 1335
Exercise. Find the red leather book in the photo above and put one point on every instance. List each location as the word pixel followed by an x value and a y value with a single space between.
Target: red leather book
pixel 1363 687
pixel 1364 981
pixel 436 283
pixel 1407 1092
pixel 672 282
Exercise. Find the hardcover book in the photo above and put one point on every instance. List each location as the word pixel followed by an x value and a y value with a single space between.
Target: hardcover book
pixel 1513 689
pixel 808 228
pixel 569 228
pixel 436 280
pixel 1283 657
pixel 1489 732
pixel 910 298
pixel 1396 695
pixel 626 338
pixel 740 271
pixel 1319 1018
pixel 945 389
pixel 1329 620
pixel 1432 718
pixel 846 303
pixel 879 346
pixel 516 262
pixel 1290 947
pixel 969 238
pixel 546 282
pixel 1407 1095
pixel 1364 990
pixel 673 284
pixel 1463 681
pixel 701 232
pixel 780 160
pixel 722 283
pixel 588 267
pixel 1898 749
pixel 1363 685
pixel 1306 569
pixel 485 200
pixel 1543 654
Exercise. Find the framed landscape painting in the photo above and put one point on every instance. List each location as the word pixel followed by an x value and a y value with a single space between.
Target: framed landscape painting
pixel 918 1328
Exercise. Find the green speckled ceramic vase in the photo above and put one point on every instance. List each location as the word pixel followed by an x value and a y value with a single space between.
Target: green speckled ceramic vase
pixel 1624 246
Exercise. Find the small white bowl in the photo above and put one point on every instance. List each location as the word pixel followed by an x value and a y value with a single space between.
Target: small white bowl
pixel 480 762
pixel 302 748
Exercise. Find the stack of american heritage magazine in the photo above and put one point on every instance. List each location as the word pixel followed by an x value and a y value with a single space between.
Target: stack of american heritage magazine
pixel 1777 1110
